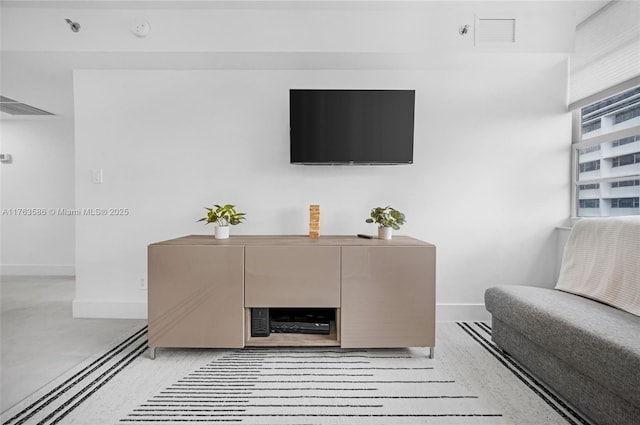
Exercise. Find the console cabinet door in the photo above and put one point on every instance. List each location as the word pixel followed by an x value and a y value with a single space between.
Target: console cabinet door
pixel 388 296
pixel 196 296
pixel 292 276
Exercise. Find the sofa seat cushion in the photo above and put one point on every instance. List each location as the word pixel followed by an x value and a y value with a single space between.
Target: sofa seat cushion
pixel 598 340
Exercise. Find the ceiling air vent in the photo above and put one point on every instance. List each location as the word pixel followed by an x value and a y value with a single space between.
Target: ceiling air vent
pixel 13 107
pixel 492 31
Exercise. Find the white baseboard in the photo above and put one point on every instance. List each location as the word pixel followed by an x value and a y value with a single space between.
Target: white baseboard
pixel 462 313
pixel 96 309
pixel 138 310
pixel 38 269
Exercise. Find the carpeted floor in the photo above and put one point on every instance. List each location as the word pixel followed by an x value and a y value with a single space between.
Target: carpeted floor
pixel 468 382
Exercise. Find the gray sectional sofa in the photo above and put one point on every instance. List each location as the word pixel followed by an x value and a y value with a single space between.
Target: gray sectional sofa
pixel 586 351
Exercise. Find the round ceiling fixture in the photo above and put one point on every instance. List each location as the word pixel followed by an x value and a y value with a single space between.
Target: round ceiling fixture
pixel 140 28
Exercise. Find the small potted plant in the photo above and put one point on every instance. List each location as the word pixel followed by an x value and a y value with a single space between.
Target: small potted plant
pixel 387 219
pixel 223 216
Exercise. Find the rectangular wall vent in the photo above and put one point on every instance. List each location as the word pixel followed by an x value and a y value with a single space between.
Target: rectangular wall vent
pixel 13 107
pixel 495 31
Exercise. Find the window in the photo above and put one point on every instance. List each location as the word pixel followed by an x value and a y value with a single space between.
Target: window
pixel 590 186
pixel 585 167
pixel 625 202
pixel 592 126
pixel 626 183
pixel 624 141
pixel 607 156
pixel 626 115
pixel 589 203
pixel 621 161
pixel 590 149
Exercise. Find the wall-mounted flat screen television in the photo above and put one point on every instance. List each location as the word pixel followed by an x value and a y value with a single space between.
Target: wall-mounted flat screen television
pixel 351 126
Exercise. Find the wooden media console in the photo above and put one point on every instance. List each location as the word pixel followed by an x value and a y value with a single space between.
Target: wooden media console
pixel 202 290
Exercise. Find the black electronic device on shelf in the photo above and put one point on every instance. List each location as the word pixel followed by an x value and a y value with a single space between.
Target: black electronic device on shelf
pixel 303 320
pixel 260 326
pixel 318 328
pixel 318 321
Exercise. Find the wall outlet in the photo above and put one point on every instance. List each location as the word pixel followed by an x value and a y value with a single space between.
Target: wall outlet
pixel 142 284
pixel 97 176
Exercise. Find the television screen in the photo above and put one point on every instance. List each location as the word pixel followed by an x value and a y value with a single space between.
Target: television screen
pixel 351 126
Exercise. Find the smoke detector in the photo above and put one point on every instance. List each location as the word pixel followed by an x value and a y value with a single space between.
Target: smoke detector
pixel 140 28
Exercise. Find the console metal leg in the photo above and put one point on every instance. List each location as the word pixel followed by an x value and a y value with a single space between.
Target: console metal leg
pixel 432 352
pixel 152 353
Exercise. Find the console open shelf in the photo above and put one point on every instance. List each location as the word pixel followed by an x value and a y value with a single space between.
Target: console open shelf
pixel 293 339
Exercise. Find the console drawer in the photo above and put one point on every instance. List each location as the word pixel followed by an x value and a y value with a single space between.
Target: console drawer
pixel 292 276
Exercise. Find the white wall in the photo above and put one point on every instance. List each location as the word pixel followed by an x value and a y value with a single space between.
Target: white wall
pixel 488 186
pixel 39 177
pixel 490 182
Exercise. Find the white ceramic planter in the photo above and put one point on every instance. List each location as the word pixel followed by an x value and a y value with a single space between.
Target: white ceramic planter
pixel 222 232
pixel 385 232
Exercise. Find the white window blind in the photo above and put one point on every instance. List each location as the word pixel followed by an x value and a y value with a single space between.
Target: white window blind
pixel 607 51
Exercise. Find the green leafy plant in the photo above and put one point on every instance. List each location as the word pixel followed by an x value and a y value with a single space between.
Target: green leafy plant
pixel 223 215
pixel 386 217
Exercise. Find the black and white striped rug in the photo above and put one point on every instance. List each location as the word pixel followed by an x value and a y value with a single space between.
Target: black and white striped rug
pixel 469 382
pixel 53 404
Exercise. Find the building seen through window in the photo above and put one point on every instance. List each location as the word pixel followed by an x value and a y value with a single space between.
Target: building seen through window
pixel 607 153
